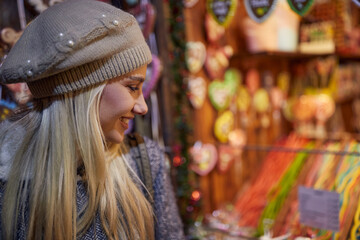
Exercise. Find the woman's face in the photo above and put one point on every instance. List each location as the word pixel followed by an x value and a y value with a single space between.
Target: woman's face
pixel 121 99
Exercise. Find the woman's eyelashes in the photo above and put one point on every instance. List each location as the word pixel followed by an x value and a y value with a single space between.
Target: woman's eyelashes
pixel 133 88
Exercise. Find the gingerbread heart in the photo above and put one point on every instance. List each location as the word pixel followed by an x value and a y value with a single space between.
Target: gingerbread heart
pixel 197 89
pixel 222 11
pixel 252 80
pixel 276 98
pixel 217 60
pixel 261 100
pixel 226 158
pixel 224 124
pixel 243 99
pixel 195 56
pixel 214 31
pixel 219 94
pixel 232 77
pixel 204 158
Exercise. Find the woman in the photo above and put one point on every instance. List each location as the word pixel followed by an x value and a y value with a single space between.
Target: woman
pixel 64 170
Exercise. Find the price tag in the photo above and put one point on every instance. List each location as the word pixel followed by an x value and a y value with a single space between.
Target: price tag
pixel 319 208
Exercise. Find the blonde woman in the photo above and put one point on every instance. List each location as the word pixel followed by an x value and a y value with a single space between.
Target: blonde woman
pixel 65 172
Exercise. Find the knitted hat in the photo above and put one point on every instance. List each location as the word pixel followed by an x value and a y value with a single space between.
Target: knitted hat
pixel 73 45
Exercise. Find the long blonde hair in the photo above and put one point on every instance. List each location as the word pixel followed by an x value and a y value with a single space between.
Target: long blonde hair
pixel 62 133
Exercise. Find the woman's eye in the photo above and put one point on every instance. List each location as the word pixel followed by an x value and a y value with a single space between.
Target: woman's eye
pixel 133 88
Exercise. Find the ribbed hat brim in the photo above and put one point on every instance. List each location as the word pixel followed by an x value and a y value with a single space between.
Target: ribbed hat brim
pixel 92 73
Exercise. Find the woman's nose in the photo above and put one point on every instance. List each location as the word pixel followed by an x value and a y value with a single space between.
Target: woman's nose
pixel 140 106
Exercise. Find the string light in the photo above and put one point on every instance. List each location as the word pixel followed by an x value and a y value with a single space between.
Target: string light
pixel 195 195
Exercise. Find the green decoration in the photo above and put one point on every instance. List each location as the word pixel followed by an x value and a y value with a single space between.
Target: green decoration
pixel 301 7
pixel 221 92
pixel 184 178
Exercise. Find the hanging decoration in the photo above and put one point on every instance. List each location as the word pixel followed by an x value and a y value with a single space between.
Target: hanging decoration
pixel 214 31
pixel 185 179
pixel 217 60
pixel 190 3
pixel 222 11
pixel 237 140
pixel 195 55
pixel 301 7
pixel 357 2
pixel 224 124
pixel 204 158
pixel 262 104
pixel 145 15
pixel 153 74
pixel 259 11
pixel 226 157
pixel 197 91
pixel 221 92
pixel 243 99
pixel 252 80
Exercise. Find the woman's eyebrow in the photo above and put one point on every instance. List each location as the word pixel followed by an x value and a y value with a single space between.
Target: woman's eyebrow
pixel 136 78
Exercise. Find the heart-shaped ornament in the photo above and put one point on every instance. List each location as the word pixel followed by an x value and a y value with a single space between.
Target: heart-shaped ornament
pixel 259 11
pixel 214 31
pixel 204 158
pixel 252 80
pixel 276 98
pixel 226 158
pixel 153 73
pixel 189 3
pixel 195 55
pixel 221 10
pixel 301 7
pixel 261 100
pixel 283 82
pixel 219 94
pixel 224 124
pixel 243 99
pixel 145 16
pixel 217 60
pixel 197 89
pixel 232 77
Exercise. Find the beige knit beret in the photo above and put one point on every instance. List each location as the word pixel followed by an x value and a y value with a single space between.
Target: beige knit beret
pixel 73 45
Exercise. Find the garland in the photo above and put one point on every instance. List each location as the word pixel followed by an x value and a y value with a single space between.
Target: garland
pixel 188 199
